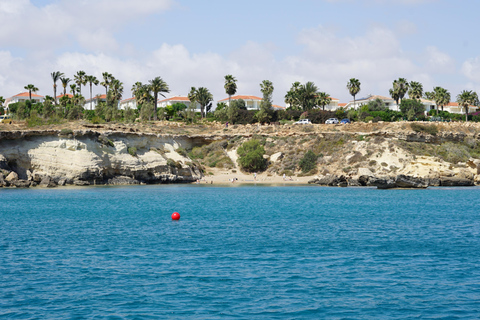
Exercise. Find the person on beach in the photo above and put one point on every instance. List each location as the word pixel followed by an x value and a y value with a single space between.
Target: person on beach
pixel 284 177
pixel 255 176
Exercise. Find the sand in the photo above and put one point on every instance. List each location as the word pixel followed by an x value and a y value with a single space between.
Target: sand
pixel 229 177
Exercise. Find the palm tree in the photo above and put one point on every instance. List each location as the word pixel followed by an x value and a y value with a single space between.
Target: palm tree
pixel 2 101
pixel 116 91
pixel 292 97
pixel 192 96
pixel 466 99
pixel 441 97
pixel 157 86
pixel 107 79
pixel 323 99
pixel 230 86
pixel 55 77
pixel 92 80
pixel 267 88
pixel 31 88
pixel 416 90
pixel 80 80
pixel 401 86
pixel 204 97
pixel 65 82
pixel 308 93
pixel 136 88
pixel 353 87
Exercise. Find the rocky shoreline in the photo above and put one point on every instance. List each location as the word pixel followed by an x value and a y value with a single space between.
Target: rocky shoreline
pixel 392 182
pixel 382 155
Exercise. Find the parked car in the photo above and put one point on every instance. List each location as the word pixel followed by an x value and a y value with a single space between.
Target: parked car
pixel 303 121
pixel 6 119
pixel 332 121
pixel 345 121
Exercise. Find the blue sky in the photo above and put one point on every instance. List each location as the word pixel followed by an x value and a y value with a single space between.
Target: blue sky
pixel 196 43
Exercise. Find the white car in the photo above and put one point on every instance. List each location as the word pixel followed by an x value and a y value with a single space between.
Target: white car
pixel 303 121
pixel 332 121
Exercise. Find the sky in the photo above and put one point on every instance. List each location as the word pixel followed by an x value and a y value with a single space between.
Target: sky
pixel 191 43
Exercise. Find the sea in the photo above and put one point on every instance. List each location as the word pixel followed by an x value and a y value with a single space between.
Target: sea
pixel 239 252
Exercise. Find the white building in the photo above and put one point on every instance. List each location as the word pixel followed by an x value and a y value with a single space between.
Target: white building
pixel 251 102
pixel 178 99
pixel 91 104
pixel 24 96
pixel 453 107
pixel 130 103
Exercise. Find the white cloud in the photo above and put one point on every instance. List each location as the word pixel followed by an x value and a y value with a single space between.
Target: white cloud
pixel 437 61
pixel 471 69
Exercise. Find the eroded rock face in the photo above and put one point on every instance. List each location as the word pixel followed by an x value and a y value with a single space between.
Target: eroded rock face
pixel 456 182
pixel 403 181
pixel 84 159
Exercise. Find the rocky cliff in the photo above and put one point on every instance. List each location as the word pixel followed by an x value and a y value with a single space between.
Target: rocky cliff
pixel 88 157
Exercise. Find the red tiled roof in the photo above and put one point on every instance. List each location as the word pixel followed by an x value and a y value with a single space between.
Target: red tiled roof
pixel 68 95
pixel 25 94
pixel 129 99
pixel 242 97
pixel 278 107
pixel 178 98
pixel 342 104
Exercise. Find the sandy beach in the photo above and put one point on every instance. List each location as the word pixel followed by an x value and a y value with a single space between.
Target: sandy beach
pixel 229 177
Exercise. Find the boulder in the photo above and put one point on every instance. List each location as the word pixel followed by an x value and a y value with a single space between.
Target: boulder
pixel 330 181
pixel 12 176
pixel 364 172
pixel 382 182
pixel 79 182
pixel 62 181
pixel 47 182
pixel 276 156
pixel 354 183
pixel 20 183
pixel 455 182
pixel 363 180
pixel 403 181
pixel 122 180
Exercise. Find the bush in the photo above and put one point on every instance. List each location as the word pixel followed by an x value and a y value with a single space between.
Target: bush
pixel 308 162
pixel 251 156
pixel 132 151
pixel 430 129
pixel 182 152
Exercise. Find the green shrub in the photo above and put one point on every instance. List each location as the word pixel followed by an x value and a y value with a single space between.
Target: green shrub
pixel 251 156
pixel 308 162
pixel 132 151
pixel 173 164
pixel 182 152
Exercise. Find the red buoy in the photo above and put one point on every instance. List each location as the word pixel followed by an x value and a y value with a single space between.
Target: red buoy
pixel 175 216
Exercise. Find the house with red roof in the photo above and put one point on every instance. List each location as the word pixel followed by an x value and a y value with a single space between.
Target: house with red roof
pixel 454 107
pixel 24 96
pixel 90 104
pixel 130 103
pixel 251 102
pixel 178 99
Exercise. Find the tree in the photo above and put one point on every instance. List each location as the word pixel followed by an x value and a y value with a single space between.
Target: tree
pixel 31 88
pixel 230 86
pixel 323 99
pixel 92 80
pixel 115 92
pixel 48 107
pixel 466 99
pixel 251 156
pixel 265 112
pixel 158 86
pixel 353 87
pixel 307 95
pixel 65 82
pixel 416 90
pixel 80 80
pixel 2 101
pixel 107 79
pixel 204 97
pixel 394 94
pixel 441 97
pixel 292 98
pixel 56 75
pixel 400 87
pixel 411 108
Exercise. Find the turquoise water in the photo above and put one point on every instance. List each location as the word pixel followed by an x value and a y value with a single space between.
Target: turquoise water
pixel 245 252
